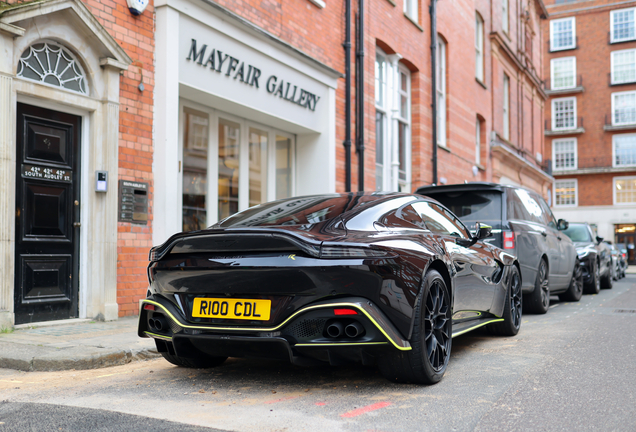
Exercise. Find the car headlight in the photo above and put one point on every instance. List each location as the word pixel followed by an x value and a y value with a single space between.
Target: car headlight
pixel 583 253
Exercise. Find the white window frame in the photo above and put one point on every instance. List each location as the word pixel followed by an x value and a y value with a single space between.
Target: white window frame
pixel 478 141
pixel 614 190
pixel 554 102
pixel 552 47
pixel 614 95
pixel 441 92
pixel 614 164
pixel 613 64
pixel 614 12
pixel 505 15
pixel 554 154
pixel 391 123
pixel 576 193
pixel 479 47
pixel 506 106
pixel 213 158
pixel 411 9
pixel 553 63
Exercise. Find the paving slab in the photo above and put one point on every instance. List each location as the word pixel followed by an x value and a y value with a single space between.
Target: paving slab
pixel 85 345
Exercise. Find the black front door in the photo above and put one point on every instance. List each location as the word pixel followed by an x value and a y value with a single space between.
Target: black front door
pixel 47 215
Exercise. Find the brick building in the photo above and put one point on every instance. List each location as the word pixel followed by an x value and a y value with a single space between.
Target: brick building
pixel 247 105
pixel 591 117
pixel 494 98
pixel 71 106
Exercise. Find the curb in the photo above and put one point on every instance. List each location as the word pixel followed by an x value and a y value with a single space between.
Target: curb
pixel 76 358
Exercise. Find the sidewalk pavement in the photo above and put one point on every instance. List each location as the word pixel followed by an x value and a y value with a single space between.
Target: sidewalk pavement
pixel 82 344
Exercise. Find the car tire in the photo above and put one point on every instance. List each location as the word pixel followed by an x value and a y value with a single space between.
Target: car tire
pixel 607 281
pixel 538 301
pixel 431 339
pixel 594 287
pixel 575 290
pixel 203 362
pixel 512 309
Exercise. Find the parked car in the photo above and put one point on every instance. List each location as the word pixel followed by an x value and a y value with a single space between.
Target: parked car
pixel 617 272
pixel 622 257
pixel 594 255
pixel 524 226
pixel 370 277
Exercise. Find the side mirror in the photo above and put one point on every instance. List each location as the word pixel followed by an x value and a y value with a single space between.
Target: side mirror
pixel 599 239
pixel 483 231
pixel 562 225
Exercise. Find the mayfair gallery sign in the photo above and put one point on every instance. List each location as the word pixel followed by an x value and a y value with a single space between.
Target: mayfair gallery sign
pixel 239 70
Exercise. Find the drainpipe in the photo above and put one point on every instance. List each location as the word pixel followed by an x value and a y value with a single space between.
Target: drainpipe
pixel 347 141
pixel 433 13
pixel 360 94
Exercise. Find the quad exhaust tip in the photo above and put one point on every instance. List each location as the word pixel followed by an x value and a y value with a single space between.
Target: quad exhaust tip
pixel 352 330
pixel 157 324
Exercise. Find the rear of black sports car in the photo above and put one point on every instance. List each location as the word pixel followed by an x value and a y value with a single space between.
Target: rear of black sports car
pixel 282 293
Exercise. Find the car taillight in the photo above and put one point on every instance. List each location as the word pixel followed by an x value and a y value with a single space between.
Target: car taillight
pixel 508 240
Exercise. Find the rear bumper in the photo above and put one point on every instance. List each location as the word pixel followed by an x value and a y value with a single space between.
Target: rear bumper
pixel 303 335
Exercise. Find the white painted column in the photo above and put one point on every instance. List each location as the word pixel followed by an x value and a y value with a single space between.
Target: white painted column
pixel 393 109
pixel 7 199
pixel 167 202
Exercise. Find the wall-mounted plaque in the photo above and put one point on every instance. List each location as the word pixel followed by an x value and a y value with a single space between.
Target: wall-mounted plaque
pixel 133 202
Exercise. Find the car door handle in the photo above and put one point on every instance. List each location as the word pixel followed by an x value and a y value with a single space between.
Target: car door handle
pixel 559 237
pixel 544 234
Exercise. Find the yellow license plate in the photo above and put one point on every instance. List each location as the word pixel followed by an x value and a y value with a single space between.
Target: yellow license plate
pixel 246 309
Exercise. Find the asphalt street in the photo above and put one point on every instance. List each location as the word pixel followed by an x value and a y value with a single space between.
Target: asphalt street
pixel 571 369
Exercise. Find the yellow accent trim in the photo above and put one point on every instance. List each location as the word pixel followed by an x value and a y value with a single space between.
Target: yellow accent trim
pixel 283 323
pixel 168 338
pixel 477 326
pixel 318 344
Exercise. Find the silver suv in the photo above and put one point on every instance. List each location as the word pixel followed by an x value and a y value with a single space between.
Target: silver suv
pixel 524 225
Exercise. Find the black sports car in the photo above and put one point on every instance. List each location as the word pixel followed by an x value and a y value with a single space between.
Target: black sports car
pixel 380 278
pixel 594 255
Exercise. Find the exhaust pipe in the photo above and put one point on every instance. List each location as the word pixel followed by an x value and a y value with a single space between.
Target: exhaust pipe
pixel 335 329
pixel 160 323
pixel 151 324
pixel 354 329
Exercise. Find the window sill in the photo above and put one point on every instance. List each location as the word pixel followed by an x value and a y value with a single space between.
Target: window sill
pixel 611 42
pixel 572 90
pixel 481 83
pixel 595 170
pixel 576 131
pixel 612 128
pixel 414 22
pixel 563 49
pixel 622 83
pixel 443 147
pixel 392 2
pixel 320 3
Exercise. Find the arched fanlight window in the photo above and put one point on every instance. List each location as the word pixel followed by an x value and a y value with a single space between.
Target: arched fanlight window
pixel 51 64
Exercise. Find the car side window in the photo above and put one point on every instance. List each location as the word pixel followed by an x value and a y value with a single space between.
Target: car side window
pixel 440 220
pixel 403 217
pixel 515 207
pixel 547 214
pixel 531 206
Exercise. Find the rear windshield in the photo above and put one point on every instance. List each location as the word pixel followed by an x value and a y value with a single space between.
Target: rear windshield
pixel 297 211
pixel 472 206
pixel 578 233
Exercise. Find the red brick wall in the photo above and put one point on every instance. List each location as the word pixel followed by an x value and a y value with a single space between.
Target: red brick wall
pixel 136 36
pixel 593 57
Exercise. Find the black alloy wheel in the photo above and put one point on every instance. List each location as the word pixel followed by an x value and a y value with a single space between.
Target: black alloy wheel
pixel 594 287
pixel 575 290
pixel 538 301
pixel 607 281
pixel 437 332
pixel 512 309
pixel 431 339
